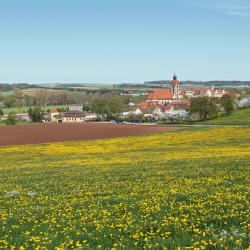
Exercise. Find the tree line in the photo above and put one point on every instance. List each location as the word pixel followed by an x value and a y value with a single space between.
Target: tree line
pixel 208 108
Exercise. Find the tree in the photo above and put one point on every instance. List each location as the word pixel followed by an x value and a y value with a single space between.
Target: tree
pixel 205 107
pixel 35 114
pixel 9 102
pixel 28 101
pixel 41 97
pixel 135 118
pixel 115 107
pixel 1 112
pixel 11 120
pixel 18 95
pixel 1 97
pixel 86 107
pixel 108 107
pixel 227 102
pixel 99 106
pixel 244 103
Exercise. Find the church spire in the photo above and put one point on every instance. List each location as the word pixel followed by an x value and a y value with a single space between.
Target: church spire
pixel 175 87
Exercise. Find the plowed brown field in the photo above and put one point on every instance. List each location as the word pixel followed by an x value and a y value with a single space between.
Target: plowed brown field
pixel 45 133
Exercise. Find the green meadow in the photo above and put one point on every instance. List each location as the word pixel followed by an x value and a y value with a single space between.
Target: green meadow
pixel 187 189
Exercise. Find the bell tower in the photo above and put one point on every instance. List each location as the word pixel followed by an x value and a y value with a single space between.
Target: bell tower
pixel 175 87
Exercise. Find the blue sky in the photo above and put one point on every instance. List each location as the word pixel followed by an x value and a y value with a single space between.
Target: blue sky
pixel 123 41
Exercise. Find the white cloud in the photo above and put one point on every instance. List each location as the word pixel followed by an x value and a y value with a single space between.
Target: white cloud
pixel 236 13
pixel 228 7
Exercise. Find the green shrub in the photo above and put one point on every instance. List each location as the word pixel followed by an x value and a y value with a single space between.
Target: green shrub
pixel 11 120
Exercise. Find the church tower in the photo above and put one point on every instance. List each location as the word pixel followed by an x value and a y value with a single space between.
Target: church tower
pixel 175 87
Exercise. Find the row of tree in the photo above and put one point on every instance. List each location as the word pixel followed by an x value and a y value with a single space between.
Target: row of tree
pixel 41 97
pixel 208 108
pixel 107 106
pixel 45 97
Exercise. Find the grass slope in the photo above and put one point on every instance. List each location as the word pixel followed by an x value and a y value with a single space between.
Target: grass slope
pixel 25 109
pixel 183 189
pixel 239 117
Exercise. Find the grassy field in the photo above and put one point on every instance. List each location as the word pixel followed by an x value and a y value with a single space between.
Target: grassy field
pixel 25 109
pixel 186 189
pixel 3 123
pixel 241 117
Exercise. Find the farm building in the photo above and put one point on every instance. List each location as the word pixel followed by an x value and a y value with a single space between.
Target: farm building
pixel 73 116
pixel 75 107
pixel 54 115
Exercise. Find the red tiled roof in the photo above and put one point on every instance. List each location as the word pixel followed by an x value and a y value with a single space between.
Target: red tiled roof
pixel 147 111
pixel 161 94
pixel 53 110
pixel 217 91
pixel 182 102
pixel 166 107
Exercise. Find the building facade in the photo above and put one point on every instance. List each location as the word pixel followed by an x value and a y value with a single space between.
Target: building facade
pixel 73 117
pixel 75 107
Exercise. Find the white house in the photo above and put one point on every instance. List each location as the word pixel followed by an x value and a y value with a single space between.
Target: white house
pixel 23 117
pixel 73 117
pixel 218 93
pixel 138 111
pixel 75 107
pixel 90 116
pixel 158 113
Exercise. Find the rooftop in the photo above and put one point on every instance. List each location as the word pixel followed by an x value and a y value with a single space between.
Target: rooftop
pixel 161 94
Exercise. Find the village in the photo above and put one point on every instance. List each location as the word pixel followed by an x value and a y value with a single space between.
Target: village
pixel 160 104
pixel 124 125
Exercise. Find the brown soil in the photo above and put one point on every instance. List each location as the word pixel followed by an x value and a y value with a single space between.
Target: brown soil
pixel 44 133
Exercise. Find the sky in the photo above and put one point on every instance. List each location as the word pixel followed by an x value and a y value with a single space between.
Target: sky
pixel 116 41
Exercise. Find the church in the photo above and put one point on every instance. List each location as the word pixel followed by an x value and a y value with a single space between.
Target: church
pixel 167 96
pixel 175 95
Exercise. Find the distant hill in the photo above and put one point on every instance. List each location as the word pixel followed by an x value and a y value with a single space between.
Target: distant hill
pixel 9 87
pixel 233 84
pixel 6 87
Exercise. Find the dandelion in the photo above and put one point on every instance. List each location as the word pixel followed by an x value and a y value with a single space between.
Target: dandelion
pixel 182 190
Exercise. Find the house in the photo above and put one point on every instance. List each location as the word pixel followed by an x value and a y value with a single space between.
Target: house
pixel 75 107
pixel 139 111
pixel 73 116
pixel 144 112
pixel 131 104
pixel 54 115
pixel 181 104
pixel 158 113
pixel 23 117
pixel 90 116
pixel 3 117
pixel 218 93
